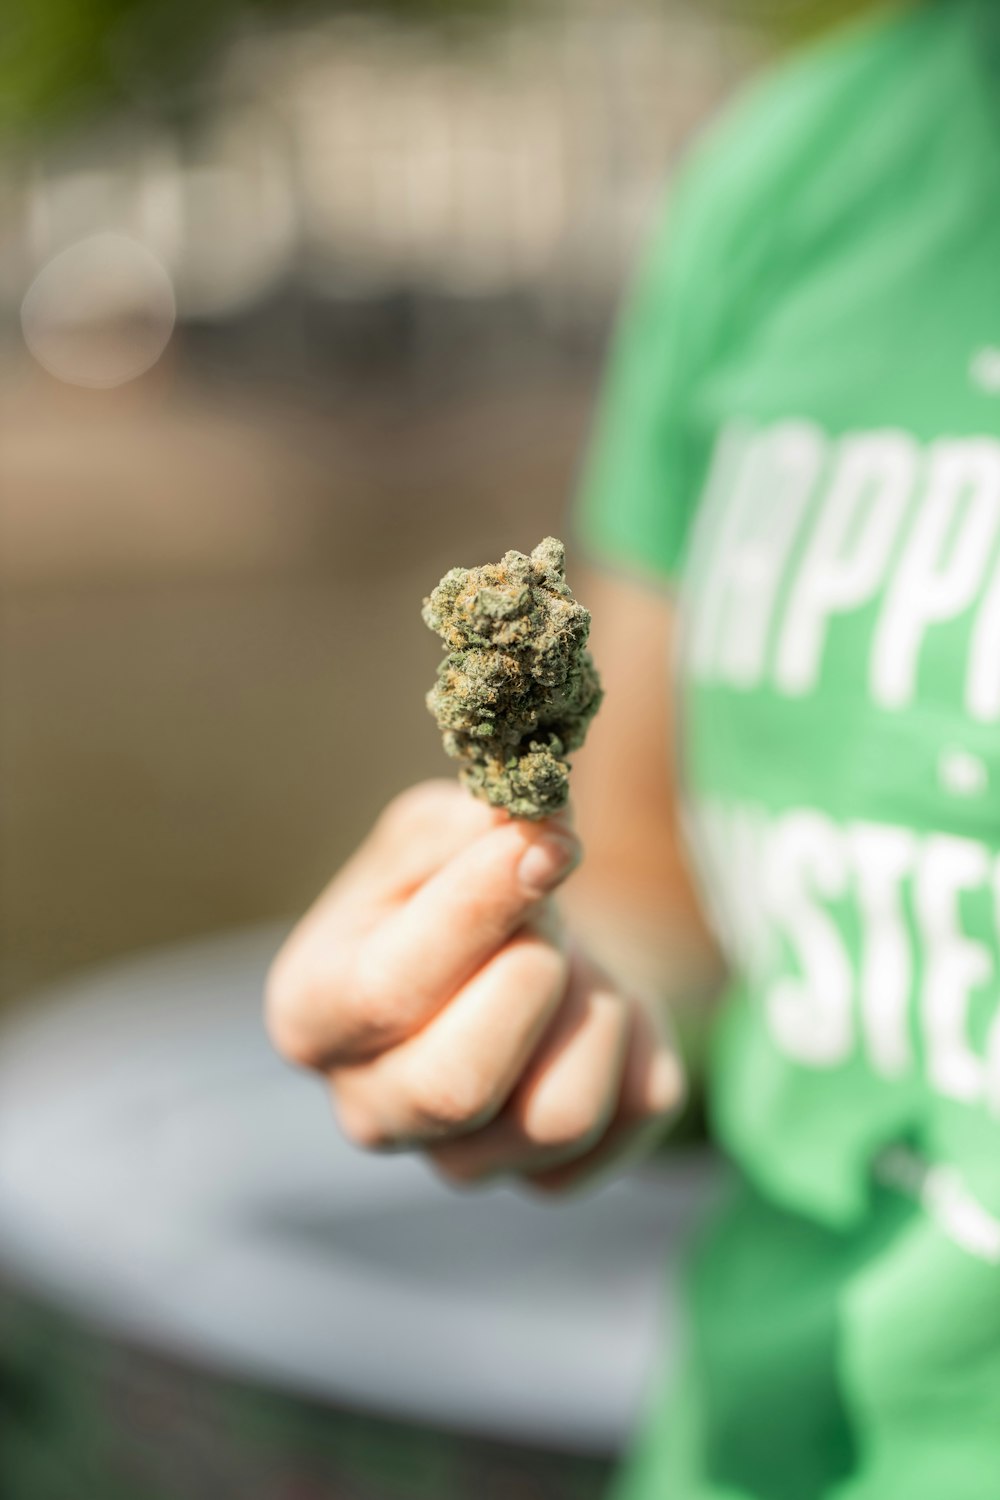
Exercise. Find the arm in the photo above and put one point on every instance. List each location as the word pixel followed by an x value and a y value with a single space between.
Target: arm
pixel 435 984
pixel 633 895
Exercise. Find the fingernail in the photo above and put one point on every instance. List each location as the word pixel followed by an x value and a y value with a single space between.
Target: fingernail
pixel 546 861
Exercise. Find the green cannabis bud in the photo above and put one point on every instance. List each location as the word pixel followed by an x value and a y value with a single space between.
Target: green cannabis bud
pixel 517 690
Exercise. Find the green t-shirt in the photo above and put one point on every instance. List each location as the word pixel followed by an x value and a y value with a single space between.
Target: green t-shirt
pixel 802 427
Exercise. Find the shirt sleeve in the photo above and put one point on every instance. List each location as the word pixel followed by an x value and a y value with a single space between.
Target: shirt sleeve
pixel 648 454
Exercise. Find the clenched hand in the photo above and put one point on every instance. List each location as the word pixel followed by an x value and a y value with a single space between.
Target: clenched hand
pixel 434 987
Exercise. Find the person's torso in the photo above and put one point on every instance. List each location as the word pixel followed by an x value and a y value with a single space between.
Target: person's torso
pixel 840 712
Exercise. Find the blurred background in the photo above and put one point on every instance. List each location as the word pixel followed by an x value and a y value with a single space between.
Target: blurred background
pixel 297 310
pixel 299 307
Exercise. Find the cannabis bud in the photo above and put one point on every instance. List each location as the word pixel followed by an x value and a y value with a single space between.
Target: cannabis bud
pixel 517 690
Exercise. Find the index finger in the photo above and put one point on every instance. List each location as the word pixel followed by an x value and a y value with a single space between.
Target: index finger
pixel 420 955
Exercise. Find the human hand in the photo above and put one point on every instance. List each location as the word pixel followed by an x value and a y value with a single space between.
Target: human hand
pixel 434 987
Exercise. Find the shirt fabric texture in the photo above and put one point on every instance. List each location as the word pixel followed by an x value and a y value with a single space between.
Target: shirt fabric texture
pixel 801 431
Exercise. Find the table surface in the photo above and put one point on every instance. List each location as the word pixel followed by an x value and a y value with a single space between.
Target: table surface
pixel 163 1174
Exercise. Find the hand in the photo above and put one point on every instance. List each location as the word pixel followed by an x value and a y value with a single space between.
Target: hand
pixel 434 987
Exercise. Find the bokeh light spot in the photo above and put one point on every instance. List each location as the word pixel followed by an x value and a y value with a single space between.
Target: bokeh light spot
pixel 99 313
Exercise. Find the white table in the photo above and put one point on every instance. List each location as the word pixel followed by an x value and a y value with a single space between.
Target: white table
pixel 164 1175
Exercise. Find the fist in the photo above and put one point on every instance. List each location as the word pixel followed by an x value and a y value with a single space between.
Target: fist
pixel 434 987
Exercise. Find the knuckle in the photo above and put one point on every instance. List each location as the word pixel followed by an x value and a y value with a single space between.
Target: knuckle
pixel 459 1099
pixel 308 1011
pixel 682 1093
pixel 373 1011
pixel 557 1121
pixel 548 1188
pixel 542 965
pixel 457 1171
pixel 286 1006
pixel 668 1092
pixel 415 807
pixel 360 1127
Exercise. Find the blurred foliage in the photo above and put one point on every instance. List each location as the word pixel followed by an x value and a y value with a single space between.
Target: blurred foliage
pixel 64 60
